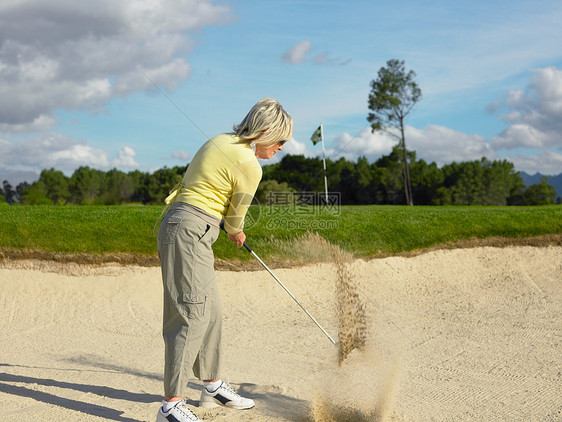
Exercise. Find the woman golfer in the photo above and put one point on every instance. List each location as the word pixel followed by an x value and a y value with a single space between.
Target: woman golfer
pixel 219 184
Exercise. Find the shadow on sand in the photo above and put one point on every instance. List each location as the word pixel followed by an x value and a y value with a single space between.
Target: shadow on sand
pixel 270 400
pixel 275 404
pixel 106 413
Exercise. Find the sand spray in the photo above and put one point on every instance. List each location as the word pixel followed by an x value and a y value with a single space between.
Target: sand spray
pixel 360 390
pixel 352 314
pixel 360 384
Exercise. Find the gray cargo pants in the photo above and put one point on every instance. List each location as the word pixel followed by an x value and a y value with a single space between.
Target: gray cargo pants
pixel 192 320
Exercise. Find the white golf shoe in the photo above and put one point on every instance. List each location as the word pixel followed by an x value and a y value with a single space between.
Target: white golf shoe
pixel 224 396
pixel 179 413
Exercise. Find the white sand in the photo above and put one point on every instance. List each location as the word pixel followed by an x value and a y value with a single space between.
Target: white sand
pixel 459 335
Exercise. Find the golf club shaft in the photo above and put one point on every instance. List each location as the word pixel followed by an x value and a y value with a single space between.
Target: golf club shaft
pixel 282 285
pixel 289 292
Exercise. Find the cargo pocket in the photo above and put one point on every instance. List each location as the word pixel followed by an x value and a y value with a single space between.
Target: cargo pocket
pixel 167 234
pixel 195 305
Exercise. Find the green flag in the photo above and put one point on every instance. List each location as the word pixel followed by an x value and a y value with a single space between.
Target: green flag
pixel 317 135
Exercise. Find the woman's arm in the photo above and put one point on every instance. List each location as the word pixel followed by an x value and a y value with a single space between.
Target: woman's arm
pixel 243 192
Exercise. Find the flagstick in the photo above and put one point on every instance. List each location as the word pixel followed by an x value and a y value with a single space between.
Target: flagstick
pixel 324 160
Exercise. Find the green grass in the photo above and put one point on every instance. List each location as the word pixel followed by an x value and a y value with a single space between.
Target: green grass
pixel 363 230
pixel 78 229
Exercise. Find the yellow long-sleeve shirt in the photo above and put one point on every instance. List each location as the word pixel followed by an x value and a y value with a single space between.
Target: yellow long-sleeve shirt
pixel 221 180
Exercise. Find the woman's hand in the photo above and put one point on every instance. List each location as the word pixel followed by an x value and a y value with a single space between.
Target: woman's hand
pixel 238 238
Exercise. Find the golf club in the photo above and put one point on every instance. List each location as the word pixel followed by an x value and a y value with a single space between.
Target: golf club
pixel 284 287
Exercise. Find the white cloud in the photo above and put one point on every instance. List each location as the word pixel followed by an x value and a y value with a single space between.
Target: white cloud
pixel 444 145
pixel 546 162
pixel 535 114
pixel 126 159
pixel 521 135
pixel 547 84
pixel 181 155
pixel 297 54
pixel 71 156
pixel 17 177
pixel 62 153
pixel 366 143
pixel 300 53
pixel 295 147
pixel 41 123
pixel 437 144
pixel 75 55
pixel 326 59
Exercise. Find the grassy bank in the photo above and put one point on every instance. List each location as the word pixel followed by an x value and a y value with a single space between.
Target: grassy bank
pixel 363 230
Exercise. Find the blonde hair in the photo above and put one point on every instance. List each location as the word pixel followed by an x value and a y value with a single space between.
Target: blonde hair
pixel 266 123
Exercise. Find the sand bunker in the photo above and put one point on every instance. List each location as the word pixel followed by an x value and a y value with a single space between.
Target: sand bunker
pixel 459 335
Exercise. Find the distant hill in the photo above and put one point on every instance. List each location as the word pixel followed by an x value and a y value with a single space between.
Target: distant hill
pixel 534 179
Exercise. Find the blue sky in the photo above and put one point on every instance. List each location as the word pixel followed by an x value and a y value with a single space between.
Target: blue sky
pixel 73 89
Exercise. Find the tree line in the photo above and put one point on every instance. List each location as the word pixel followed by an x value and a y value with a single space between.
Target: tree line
pixel 479 182
pixel 88 186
